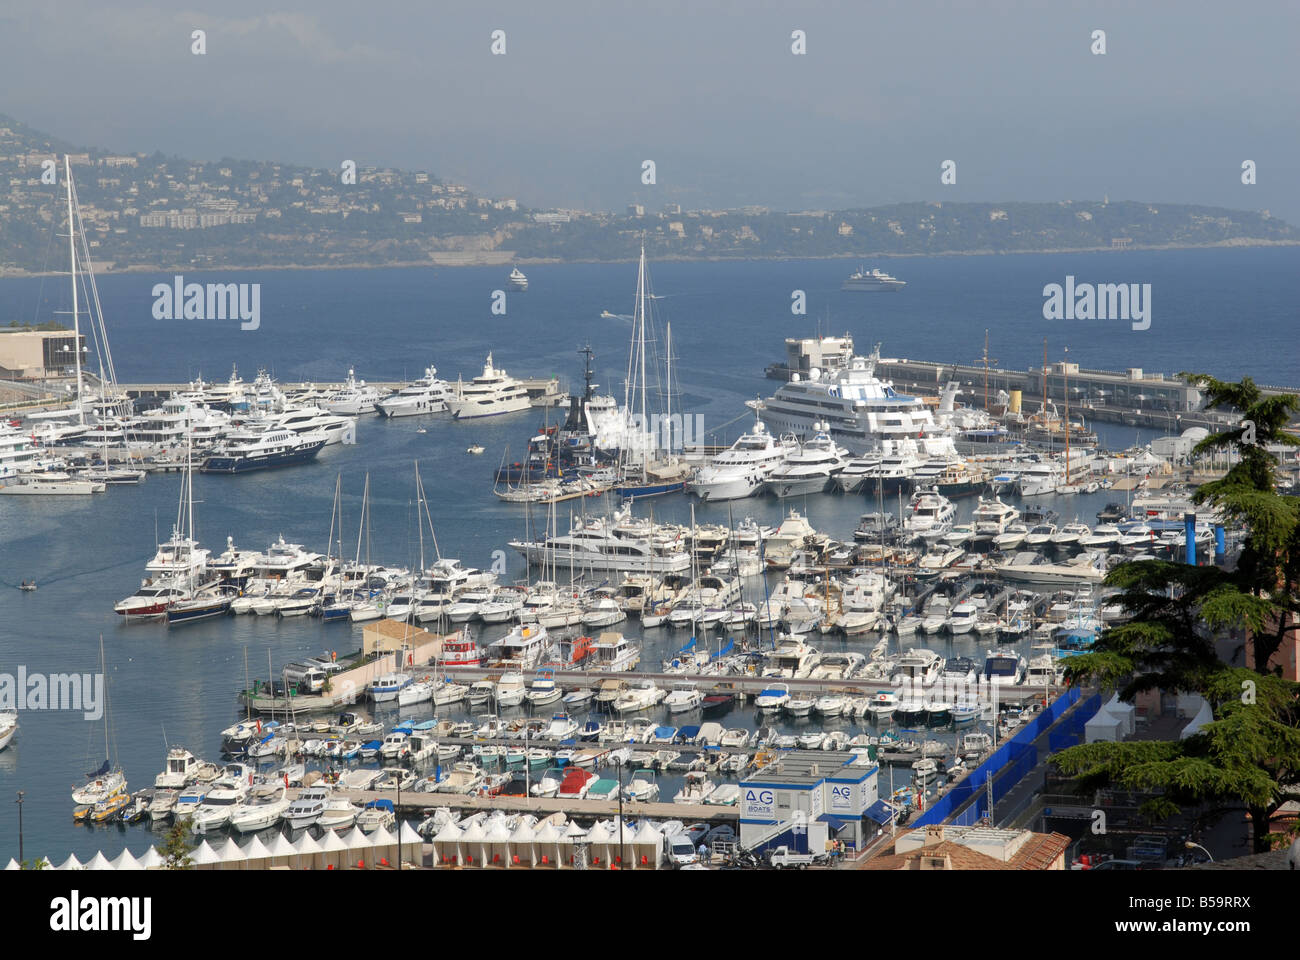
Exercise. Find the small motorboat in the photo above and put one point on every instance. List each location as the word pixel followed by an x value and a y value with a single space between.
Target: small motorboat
pixel 474 449
pixel 27 586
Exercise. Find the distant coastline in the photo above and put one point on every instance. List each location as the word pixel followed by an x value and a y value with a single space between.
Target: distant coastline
pixel 503 258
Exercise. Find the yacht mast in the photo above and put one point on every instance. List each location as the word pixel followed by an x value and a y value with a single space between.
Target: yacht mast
pixel 76 324
pixel 668 391
pixel 640 296
pixel 1065 370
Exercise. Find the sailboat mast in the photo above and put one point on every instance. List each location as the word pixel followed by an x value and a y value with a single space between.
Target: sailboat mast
pixel 1065 370
pixel 668 388
pixel 76 321
pixel 640 295
pixel 103 669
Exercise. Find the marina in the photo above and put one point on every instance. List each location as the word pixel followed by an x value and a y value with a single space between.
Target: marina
pixel 742 624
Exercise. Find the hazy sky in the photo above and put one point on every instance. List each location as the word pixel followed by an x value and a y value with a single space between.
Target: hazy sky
pixel 709 90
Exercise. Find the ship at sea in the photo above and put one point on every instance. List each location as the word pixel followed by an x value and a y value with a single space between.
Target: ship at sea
pixel 863 280
pixel 517 280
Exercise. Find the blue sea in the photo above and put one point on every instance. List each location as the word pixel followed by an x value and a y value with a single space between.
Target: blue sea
pixel 1230 312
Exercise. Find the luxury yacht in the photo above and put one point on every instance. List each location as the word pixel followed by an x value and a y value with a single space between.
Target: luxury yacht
pixel 860 409
pixel 353 398
pixel 930 516
pixel 741 470
pixel 490 394
pixel 426 395
pixel 875 280
pixel 810 469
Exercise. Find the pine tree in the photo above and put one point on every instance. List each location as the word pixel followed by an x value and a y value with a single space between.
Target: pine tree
pixel 1250 752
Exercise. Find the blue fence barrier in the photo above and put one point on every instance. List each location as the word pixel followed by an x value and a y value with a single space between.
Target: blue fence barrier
pixel 1018 756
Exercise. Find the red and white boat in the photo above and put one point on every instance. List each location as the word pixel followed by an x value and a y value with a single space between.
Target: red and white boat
pixel 462 650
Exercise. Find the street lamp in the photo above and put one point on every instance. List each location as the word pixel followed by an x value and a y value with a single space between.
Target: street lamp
pixel 621 851
pixel 19 801
pixel 1196 846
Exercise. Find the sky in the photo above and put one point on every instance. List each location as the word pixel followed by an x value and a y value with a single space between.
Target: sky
pixel 709 90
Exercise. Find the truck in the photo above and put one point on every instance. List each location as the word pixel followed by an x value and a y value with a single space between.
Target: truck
pixel 783 857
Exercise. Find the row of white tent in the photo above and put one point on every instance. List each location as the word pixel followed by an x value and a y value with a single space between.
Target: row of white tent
pixel 497 841
pixel 331 852
pixel 530 843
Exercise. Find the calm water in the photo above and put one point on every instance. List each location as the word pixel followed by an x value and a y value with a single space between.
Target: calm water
pixel 1227 311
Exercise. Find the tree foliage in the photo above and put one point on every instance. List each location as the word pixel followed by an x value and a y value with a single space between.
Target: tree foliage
pixel 1250 752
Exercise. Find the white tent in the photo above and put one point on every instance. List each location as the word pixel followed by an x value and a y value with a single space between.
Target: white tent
pixel 126 861
pixel 333 851
pixel 12 864
pixel 412 844
pixel 1125 711
pixel 228 850
pixel 358 847
pixel 473 843
pixel 151 859
pixel 547 843
pixel 307 852
pixel 446 844
pixel 498 837
pixel 98 862
pixel 383 846
pixel 281 850
pixel 649 846
pixel 521 842
pixel 255 855
pixel 1203 716
pixel 1104 727
pixel 572 837
pixel 72 863
pixel 598 845
pixel 203 855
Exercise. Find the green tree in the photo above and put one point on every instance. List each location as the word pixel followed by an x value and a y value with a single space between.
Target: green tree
pixel 175 849
pixel 1250 752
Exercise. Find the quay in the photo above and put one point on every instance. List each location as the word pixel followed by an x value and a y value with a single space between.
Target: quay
pixel 742 686
pixel 414 803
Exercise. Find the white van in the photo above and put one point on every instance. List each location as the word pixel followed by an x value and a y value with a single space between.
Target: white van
pixel 681 850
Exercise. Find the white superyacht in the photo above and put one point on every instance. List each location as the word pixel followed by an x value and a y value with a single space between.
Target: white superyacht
pixel 492 393
pixel 426 395
pixel 743 468
pixel 859 409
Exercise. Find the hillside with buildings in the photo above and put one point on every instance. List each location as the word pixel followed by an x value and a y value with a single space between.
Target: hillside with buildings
pixel 150 212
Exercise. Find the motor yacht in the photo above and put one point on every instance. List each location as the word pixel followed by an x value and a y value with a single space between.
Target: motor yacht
pixel 490 394
pixel 426 395
pixel 742 469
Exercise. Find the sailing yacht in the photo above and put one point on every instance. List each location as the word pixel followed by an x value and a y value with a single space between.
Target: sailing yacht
pixel 640 439
pixel 742 469
pixel 426 395
pixel 491 394
pixel 108 780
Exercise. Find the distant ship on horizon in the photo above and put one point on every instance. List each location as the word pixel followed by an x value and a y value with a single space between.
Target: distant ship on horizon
pixel 862 280
pixel 517 280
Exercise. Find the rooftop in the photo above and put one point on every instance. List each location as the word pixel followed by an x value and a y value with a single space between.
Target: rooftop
pixel 802 767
